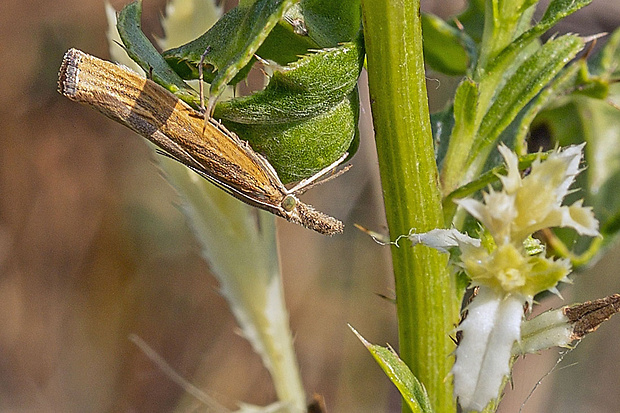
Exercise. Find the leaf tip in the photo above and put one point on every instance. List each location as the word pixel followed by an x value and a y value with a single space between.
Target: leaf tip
pixel 359 336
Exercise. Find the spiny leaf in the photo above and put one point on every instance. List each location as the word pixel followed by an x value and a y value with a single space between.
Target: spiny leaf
pixel 557 10
pixel 531 77
pixel 306 118
pixel 408 385
pixel 230 44
pixel 303 89
pixel 142 51
pixel 330 22
pixel 310 25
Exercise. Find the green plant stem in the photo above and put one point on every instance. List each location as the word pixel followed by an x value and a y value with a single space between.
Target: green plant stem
pixel 427 302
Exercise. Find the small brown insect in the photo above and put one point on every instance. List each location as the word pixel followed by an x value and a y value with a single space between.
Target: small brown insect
pixel 205 146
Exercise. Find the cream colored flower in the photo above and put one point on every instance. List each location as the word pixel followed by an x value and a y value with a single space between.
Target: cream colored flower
pixel 526 205
pixel 509 269
pixel 522 207
pixel 508 265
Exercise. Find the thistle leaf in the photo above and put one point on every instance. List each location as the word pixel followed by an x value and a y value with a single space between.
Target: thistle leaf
pixel 408 385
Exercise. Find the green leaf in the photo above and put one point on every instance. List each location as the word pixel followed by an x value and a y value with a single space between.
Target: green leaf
pixel 446 49
pixel 301 90
pixel 408 385
pixel 561 85
pixel 492 74
pixel 306 117
pixel 142 51
pixel 503 22
pixel 465 107
pixel 298 150
pixel 606 63
pixel 557 10
pixel 462 135
pixel 310 25
pixel 284 45
pixel 590 78
pixel 527 81
pixel 230 44
pixel 330 22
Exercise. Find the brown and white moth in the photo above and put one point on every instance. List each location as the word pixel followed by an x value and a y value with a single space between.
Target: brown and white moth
pixel 205 146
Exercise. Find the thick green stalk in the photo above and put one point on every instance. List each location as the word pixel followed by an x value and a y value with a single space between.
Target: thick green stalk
pixel 426 299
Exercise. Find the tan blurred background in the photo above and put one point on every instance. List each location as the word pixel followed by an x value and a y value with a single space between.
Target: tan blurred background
pixel 93 248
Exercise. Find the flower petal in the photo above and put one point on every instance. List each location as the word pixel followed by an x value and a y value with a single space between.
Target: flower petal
pixel 511 181
pixel 492 326
pixel 581 219
pixel 443 239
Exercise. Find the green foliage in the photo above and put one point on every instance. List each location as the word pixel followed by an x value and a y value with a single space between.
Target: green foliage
pixel 230 44
pixel 512 80
pixel 302 122
pixel 140 49
pixel 413 392
pixel 307 116
pixel 330 22
pixel 557 10
pixel 522 86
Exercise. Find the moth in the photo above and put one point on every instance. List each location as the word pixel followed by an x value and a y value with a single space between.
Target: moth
pixel 189 136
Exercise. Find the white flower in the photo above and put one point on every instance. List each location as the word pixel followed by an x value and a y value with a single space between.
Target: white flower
pixel 508 275
pixel 508 265
pixel 526 205
pixel 522 207
pixel 495 319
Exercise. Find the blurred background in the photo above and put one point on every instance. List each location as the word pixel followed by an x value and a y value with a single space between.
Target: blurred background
pixel 93 248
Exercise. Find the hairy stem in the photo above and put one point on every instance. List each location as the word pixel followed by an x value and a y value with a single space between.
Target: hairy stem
pixel 427 304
